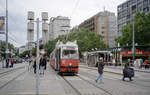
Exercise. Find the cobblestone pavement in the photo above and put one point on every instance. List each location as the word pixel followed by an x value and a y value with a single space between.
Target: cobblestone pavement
pixel 24 83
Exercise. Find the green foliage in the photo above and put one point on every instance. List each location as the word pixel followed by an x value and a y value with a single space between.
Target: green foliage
pixel 24 54
pixel 3 48
pixel 142 31
pixel 86 40
pixel 50 46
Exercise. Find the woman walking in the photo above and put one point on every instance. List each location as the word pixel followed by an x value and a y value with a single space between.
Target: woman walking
pixel 100 69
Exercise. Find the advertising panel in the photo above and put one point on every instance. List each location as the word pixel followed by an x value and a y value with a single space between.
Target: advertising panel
pixel 2 24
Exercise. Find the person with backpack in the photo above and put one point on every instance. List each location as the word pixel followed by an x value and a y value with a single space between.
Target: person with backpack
pixel 100 70
pixel 128 72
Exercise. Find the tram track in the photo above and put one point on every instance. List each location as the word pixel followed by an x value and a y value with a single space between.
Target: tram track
pixel 76 90
pixel 87 81
pixel 10 81
pixel 95 85
pixel 133 83
pixel 2 74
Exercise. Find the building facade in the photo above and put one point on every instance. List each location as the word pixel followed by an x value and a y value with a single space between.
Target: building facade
pixel 22 49
pixel 104 23
pixel 127 10
pixel 58 26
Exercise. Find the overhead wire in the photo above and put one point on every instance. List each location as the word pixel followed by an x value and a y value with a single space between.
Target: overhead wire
pixel 74 9
pixel 13 38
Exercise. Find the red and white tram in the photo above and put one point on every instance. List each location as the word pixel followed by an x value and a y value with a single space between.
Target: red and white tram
pixel 65 57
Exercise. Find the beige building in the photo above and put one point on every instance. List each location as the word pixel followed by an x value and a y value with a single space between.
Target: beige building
pixel 104 23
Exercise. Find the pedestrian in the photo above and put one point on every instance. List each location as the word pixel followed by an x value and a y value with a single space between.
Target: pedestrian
pixel 127 71
pixel 34 65
pixel 30 64
pixel 12 62
pixel 41 67
pixel 7 62
pixel 146 63
pixel 100 69
pixel 43 64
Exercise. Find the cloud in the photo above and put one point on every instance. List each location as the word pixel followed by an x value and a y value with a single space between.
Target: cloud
pixel 18 9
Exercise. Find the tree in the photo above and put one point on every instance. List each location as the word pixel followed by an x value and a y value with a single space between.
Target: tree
pixel 3 48
pixel 142 34
pixel 24 54
pixel 86 40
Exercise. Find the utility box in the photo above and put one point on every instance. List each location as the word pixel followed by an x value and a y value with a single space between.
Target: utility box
pixel 45 26
pixel 30 26
pixel 30 15
pixel 44 16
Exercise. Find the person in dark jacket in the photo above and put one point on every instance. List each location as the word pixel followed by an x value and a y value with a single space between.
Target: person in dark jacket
pixel 7 63
pixel 127 71
pixel 43 64
pixel 100 69
pixel 34 65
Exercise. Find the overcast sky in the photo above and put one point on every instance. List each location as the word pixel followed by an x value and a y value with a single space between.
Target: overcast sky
pixel 76 10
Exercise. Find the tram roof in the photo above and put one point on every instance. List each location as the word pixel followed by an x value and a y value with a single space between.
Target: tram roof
pixel 68 43
pixel 99 51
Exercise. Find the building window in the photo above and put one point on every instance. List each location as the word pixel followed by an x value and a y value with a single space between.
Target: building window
pixel 103 27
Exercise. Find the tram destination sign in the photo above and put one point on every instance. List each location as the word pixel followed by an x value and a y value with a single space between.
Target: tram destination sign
pixel 69 48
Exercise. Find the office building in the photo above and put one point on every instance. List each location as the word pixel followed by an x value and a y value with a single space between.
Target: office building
pixel 103 23
pixel 127 10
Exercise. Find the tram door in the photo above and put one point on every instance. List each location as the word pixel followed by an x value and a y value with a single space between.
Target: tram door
pixel 58 58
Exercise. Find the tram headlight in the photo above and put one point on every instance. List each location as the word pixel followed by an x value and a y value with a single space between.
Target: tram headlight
pixel 70 64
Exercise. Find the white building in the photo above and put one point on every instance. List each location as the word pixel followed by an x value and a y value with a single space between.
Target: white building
pixel 30 45
pixel 22 49
pixel 58 26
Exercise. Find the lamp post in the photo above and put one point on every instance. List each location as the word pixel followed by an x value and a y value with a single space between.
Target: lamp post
pixel 44 27
pixel 6 51
pixel 133 42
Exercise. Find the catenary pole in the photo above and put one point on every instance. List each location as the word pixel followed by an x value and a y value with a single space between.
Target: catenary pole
pixel 37 61
pixel 6 30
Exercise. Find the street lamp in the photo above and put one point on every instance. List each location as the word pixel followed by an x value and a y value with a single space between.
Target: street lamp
pixel 44 27
pixel 7 35
pixel 133 40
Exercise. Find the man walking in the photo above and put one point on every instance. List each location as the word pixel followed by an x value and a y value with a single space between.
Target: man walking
pixel 100 69
pixel 7 63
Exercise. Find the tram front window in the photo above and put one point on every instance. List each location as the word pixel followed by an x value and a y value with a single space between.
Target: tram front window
pixel 70 54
